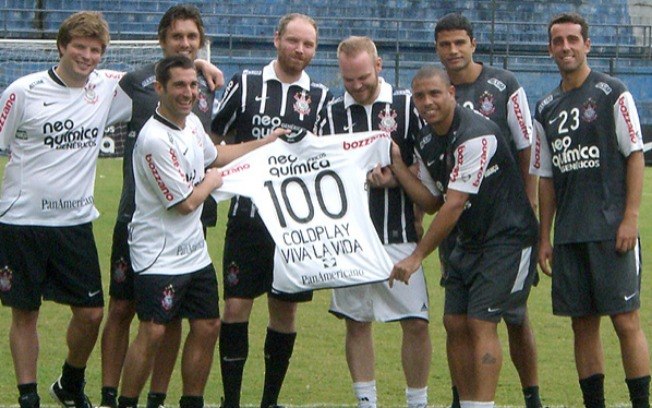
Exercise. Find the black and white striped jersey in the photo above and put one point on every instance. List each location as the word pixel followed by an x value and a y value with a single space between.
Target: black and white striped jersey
pixel 392 211
pixel 256 102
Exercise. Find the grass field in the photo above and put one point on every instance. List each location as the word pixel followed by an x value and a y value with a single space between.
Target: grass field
pixel 318 376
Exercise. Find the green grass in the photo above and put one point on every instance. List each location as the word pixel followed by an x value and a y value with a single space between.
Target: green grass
pixel 318 373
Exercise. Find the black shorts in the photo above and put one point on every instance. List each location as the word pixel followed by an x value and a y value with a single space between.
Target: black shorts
pixel 121 285
pixel 248 263
pixel 490 284
pixel 591 278
pixel 164 298
pixel 51 263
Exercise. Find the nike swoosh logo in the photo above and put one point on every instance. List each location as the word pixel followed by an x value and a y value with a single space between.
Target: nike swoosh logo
pixel 92 294
pixel 492 310
pixel 48 103
pixel 260 98
pixel 551 121
pixel 430 163
pixel 347 128
pixel 232 359
pixel 628 298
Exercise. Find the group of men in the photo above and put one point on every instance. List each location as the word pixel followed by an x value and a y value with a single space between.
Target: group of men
pixel 476 175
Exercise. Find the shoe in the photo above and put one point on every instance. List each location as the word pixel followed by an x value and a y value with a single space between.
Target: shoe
pixel 30 400
pixel 68 399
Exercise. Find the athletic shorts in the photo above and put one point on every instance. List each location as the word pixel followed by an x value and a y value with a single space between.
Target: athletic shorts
pixel 248 263
pixel 163 298
pixel 489 283
pixel 591 278
pixel 121 285
pixel 51 263
pixel 379 302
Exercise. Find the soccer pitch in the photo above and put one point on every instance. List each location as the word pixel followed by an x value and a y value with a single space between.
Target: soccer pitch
pixel 318 375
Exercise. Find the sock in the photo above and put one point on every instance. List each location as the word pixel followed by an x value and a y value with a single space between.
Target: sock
pixel 532 398
pixel 187 401
pixel 365 393
pixel 109 397
pixel 72 378
pixel 278 350
pixel 234 348
pixel 456 398
pixel 639 391
pixel 476 404
pixel 28 396
pixel 126 402
pixel 156 399
pixel 593 391
pixel 416 397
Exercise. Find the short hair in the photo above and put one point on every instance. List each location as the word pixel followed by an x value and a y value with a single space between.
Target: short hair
pixel 572 18
pixel 164 66
pixel 181 12
pixel 354 45
pixel 84 24
pixel 430 71
pixel 454 21
pixel 286 19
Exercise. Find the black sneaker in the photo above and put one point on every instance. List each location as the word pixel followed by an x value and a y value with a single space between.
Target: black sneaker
pixel 68 399
pixel 30 400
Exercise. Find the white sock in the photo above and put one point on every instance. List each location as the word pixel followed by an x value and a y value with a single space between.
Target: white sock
pixel 365 393
pixel 476 404
pixel 417 397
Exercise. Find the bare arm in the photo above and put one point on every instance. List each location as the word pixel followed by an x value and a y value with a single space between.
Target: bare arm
pixel 529 180
pixel 547 208
pixel 627 235
pixel 226 153
pixel 212 180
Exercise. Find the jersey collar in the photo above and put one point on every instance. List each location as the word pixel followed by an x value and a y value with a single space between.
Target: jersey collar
pixel 269 74
pixel 165 121
pixel 53 74
pixel 384 96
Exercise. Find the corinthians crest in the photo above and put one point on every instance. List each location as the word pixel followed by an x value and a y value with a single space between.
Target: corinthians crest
pixel 589 110
pixel 486 104
pixel 168 298
pixel 119 270
pixel 6 275
pixel 232 274
pixel 90 96
pixel 387 121
pixel 302 103
pixel 202 103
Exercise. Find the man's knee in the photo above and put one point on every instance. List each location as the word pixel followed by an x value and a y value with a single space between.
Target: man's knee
pixel 88 316
pixel 627 324
pixel 415 328
pixel 121 310
pixel 455 324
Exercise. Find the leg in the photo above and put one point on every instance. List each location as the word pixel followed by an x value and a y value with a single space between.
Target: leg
pixel 82 334
pixel 633 345
pixel 234 347
pixel 197 356
pixel 360 351
pixel 279 344
pixel 165 360
pixel 487 358
pixel 523 352
pixel 416 350
pixel 140 358
pixel 589 359
pixel 458 352
pixel 115 340
pixel 23 340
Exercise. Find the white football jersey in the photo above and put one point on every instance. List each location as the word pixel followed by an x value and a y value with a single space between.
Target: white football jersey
pixel 311 195
pixel 53 133
pixel 168 162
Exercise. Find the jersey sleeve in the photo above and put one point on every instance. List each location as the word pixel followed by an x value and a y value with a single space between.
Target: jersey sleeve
pixel 11 116
pixel 227 109
pixel 519 119
pixel 210 151
pixel 540 159
pixel 472 158
pixel 425 177
pixel 628 126
pixel 121 105
pixel 159 158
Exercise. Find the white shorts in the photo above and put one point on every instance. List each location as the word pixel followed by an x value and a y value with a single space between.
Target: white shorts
pixel 379 302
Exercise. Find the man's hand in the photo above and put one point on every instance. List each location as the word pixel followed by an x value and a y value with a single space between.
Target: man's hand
pixel 545 257
pixel 627 235
pixel 404 269
pixel 214 76
pixel 382 177
pixel 213 177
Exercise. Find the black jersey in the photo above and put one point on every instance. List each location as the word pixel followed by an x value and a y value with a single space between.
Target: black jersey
pixel 139 86
pixel 497 94
pixel 475 159
pixel 392 211
pixel 582 140
pixel 255 103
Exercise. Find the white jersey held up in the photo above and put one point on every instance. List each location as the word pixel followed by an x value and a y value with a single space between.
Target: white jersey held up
pixel 311 195
pixel 168 162
pixel 53 133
